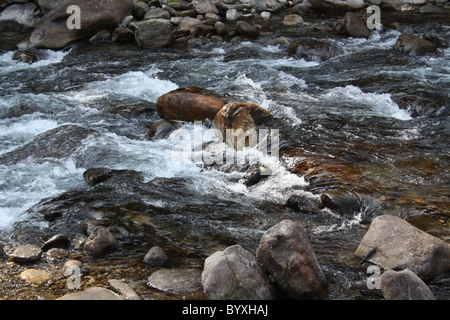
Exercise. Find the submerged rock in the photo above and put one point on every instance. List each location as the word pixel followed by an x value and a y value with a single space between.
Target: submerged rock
pixel 175 280
pixel 287 255
pixel 57 241
pixel 393 243
pixel 94 293
pixel 404 285
pixel 234 274
pixel 35 276
pixel 314 50
pixel 25 57
pixel 26 253
pixel 413 45
pixel 161 130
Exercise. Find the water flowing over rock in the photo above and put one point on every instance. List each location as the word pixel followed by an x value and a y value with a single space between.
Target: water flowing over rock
pixel 52 32
pixel 413 45
pixel 314 50
pixel 288 256
pixel 393 243
pixel 234 274
pixel 404 285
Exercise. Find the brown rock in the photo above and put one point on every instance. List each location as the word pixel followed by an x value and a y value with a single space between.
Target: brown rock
pixel 413 45
pixel 355 26
pixel 99 242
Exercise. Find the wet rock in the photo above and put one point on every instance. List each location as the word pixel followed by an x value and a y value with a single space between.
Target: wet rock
pixel 404 285
pixel 154 33
pixel 256 175
pixel 100 37
pixel 140 9
pixel 413 45
pixel 2 252
pixel 157 14
pixel 26 253
pixel 287 255
pixel 301 204
pixel 94 293
pixel 393 243
pixel 57 143
pixel 48 5
pixel 343 202
pixel 51 31
pixel 123 35
pixel 25 57
pixel 57 241
pixel 34 276
pixel 441 43
pixel 417 106
pixel 246 29
pixel 123 289
pixel 314 50
pixel 355 26
pixel 161 130
pixel 336 6
pixel 292 20
pixel 99 242
pixel 244 120
pixel 188 104
pixel 175 281
pixel 72 267
pixel 155 257
pixel 95 176
pixel 234 274
pixel 23 15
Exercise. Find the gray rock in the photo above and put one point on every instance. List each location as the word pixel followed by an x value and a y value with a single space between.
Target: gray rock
pixel 205 6
pixel 404 285
pixel 95 293
pixel 234 274
pixel 393 243
pixel 287 255
pixel 155 33
pixel 155 257
pixel 355 26
pixel 48 5
pixel 413 45
pixel 157 14
pixel 246 29
pixel 57 241
pixel 124 289
pixel 140 9
pixel 161 130
pixel 336 6
pixel 22 14
pixel 175 281
pixel 26 253
pixel 99 242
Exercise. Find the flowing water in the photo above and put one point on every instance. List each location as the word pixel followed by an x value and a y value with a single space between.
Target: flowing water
pixel 337 117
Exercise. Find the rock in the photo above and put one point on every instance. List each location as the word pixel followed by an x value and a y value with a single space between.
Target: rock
pixel 267 5
pixel 99 242
pixel 301 204
pixel 413 45
pixel 56 143
pixel 266 15
pixel 155 257
pixel 256 175
pixel 57 241
pixel 26 253
pixel 232 15
pixel 188 104
pixel 292 20
pixel 205 6
pixel 341 201
pixel 157 14
pixel 154 33
pixel 175 281
pixel 51 31
pixel 95 176
pixel 335 7
pixel 101 36
pixel 221 29
pixel 48 5
pixel 234 274
pixel 2 253
pixel 5 3
pixel 314 50
pixel 188 24
pixel 94 293
pixel 244 120
pixel 441 43
pixel 124 289
pixel 161 130
pixel 123 35
pixel 393 243
pixel 176 4
pixel 287 255
pixel 25 57
pixel 140 9
pixel 246 29
pixel 404 285
pixel 34 276
pixel 355 26
pixel 22 14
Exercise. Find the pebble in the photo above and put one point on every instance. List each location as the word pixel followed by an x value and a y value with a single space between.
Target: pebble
pixel 26 253
pixel 35 276
pixel 155 257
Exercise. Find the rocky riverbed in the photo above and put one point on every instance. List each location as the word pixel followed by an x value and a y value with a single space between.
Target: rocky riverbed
pixel 95 205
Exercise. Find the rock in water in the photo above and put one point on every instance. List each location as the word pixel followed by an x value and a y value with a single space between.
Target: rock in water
pixel 155 257
pixel 52 32
pixel 413 45
pixel 26 253
pixel 95 293
pixel 25 57
pixel 355 26
pixel 188 104
pixel 175 281
pixel 154 33
pixel 404 285
pixel 287 255
pixel 99 242
pixel 393 243
pixel 161 130
pixel 234 274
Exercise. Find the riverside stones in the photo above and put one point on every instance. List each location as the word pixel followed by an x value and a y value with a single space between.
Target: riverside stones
pixel 94 293
pixel 355 26
pixel 234 274
pixel 393 243
pixel 154 33
pixel 26 253
pixel 287 255
pixel 404 285
pixel 175 280
pixel 35 276
pixel 155 257
pixel 99 242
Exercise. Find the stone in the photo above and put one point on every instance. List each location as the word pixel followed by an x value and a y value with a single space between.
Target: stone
pixel 355 26
pixel 413 45
pixel 336 6
pixel 99 242
pixel 232 15
pixel 26 253
pixel 393 243
pixel 51 31
pixel 154 33
pixel 94 293
pixel 123 35
pixel 124 289
pixel 266 15
pixel 48 5
pixel 246 29
pixel 299 203
pixel 57 241
pixel 175 281
pixel 292 20
pixel 140 9
pixel 155 257
pixel 95 176
pixel 188 104
pixel 25 57
pixel 188 24
pixel 313 50
pixel 157 14
pixel 287 255
pixel 22 14
pixel 161 130
pixel 256 175
pixel 341 201
pixel 205 6
pixel 221 29
pixel 234 274
pixel 404 285
pixel 34 276
pixel 244 121
pixel 72 266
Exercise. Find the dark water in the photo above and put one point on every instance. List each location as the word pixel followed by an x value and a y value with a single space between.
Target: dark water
pixel 342 128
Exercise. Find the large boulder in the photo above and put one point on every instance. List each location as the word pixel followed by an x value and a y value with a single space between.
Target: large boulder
pixel 22 14
pixel 51 31
pixel 154 33
pixel 413 45
pixel 393 243
pixel 238 124
pixel 355 26
pixel 189 104
pixel 288 256
pixel 404 285
pixel 234 274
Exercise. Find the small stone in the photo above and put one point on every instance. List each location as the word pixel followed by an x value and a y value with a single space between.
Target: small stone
pixel 124 289
pixel 57 241
pixel 26 253
pixel 35 276
pixel 99 242
pixel 175 280
pixel 292 20
pixel 155 257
